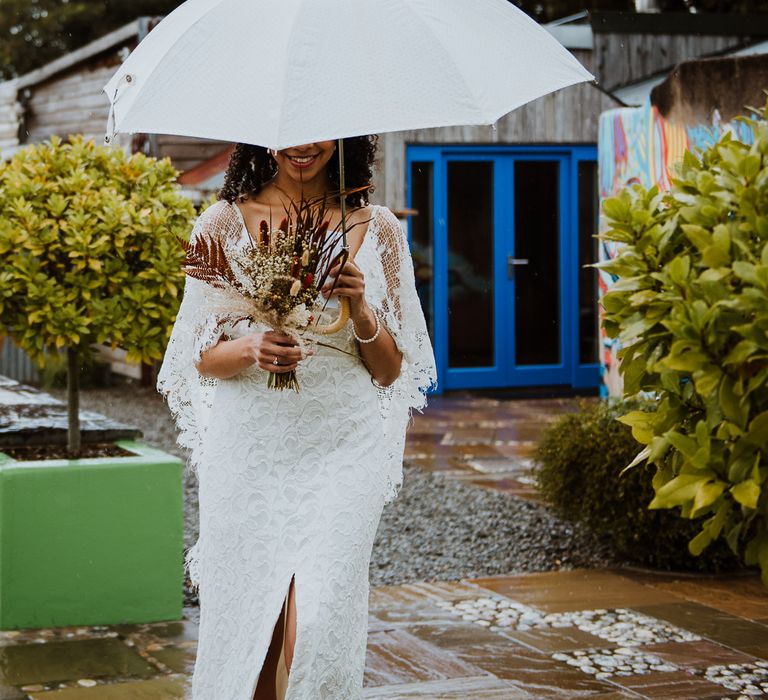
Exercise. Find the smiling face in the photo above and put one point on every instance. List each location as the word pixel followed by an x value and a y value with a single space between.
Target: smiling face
pixel 307 163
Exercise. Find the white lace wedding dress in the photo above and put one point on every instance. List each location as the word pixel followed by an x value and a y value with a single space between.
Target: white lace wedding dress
pixel 293 483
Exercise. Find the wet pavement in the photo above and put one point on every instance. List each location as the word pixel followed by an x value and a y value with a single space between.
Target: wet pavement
pixel 483 441
pixel 606 634
pixel 569 634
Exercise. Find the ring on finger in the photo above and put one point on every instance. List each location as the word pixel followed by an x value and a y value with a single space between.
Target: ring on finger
pixel 275 362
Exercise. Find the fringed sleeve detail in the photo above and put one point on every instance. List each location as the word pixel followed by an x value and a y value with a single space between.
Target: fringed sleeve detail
pixel 188 393
pixel 195 330
pixel 400 309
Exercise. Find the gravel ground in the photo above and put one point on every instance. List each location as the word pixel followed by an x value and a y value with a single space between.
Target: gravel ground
pixel 437 528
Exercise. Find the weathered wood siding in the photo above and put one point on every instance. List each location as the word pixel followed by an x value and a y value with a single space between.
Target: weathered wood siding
pixel 71 103
pixel 620 59
pixel 567 116
pixel 186 152
pixel 9 116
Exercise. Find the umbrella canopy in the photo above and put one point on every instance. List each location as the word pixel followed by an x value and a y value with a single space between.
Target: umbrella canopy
pixel 280 73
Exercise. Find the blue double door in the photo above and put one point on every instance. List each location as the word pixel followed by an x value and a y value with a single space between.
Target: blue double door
pixel 500 238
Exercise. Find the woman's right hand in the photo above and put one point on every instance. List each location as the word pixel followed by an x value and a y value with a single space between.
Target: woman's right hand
pixel 263 348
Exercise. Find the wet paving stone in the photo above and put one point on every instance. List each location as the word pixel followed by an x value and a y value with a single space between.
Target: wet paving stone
pixel 415 614
pixel 744 596
pixel 513 487
pixel 55 634
pixel 176 659
pixel 421 593
pixel 527 670
pixel 554 640
pixel 62 661
pixel 156 689
pixel 169 645
pixel 566 591
pixel 545 677
pixel 399 657
pixel 481 688
pixel 501 465
pixel 743 635
pixel 174 632
pixel 469 436
pixel 699 654
pixel 672 686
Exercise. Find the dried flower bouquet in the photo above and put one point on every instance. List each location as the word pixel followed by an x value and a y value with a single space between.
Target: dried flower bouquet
pixel 276 279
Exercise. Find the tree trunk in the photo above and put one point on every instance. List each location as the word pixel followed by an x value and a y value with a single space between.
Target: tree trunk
pixel 73 403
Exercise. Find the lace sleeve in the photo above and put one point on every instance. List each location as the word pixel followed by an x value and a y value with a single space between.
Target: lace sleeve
pixel 196 329
pixel 400 310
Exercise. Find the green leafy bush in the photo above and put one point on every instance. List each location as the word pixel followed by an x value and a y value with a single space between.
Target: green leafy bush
pixel 88 250
pixel 578 469
pixel 690 308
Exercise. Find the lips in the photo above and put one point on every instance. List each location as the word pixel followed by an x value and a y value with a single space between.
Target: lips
pixel 302 161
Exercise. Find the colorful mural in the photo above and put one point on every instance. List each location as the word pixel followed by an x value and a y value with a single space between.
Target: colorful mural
pixel 638 145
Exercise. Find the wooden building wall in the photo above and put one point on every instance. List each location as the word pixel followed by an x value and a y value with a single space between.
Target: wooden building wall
pixel 9 116
pixel 620 59
pixel 186 152
pixel 70 103
pixel 569 116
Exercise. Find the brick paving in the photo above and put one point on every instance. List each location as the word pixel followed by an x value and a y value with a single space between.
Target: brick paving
pixel 566 634
pixel 483 441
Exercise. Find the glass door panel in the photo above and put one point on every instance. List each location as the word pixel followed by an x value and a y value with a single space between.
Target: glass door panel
pixel 535 264
pixel 588 254
pixel 422 238
pixel 471 288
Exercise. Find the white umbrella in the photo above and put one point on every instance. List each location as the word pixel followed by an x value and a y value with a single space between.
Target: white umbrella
pixel 280 73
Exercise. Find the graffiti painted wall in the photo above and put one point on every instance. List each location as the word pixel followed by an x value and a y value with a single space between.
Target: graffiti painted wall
pixel 638 145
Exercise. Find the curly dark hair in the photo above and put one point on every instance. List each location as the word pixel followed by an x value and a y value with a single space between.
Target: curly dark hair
pixel 251 167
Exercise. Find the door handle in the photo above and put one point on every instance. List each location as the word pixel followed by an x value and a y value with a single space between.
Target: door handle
pixel 512 263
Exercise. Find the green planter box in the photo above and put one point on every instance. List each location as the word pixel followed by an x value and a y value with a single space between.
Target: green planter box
pixel 91 541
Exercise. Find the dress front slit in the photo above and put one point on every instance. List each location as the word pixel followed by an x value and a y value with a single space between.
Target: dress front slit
pixel 281 674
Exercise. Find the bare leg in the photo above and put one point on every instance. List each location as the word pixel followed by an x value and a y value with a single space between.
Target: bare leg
pixel 265 688
pixel 290 625
pixel 273 679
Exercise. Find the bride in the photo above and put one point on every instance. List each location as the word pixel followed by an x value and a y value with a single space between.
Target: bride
pixel 292 484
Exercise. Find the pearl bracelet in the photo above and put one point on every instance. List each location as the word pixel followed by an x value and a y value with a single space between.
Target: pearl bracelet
pixel 374 336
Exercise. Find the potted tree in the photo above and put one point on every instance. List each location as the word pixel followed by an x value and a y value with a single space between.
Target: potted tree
pixel 89 255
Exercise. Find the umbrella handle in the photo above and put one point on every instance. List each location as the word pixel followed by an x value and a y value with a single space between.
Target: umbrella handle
pixel 342 195
pixel 339 323
pixel 343 317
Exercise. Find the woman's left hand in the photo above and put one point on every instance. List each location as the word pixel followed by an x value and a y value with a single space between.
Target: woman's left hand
pixel 351 284
pixel 381 356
